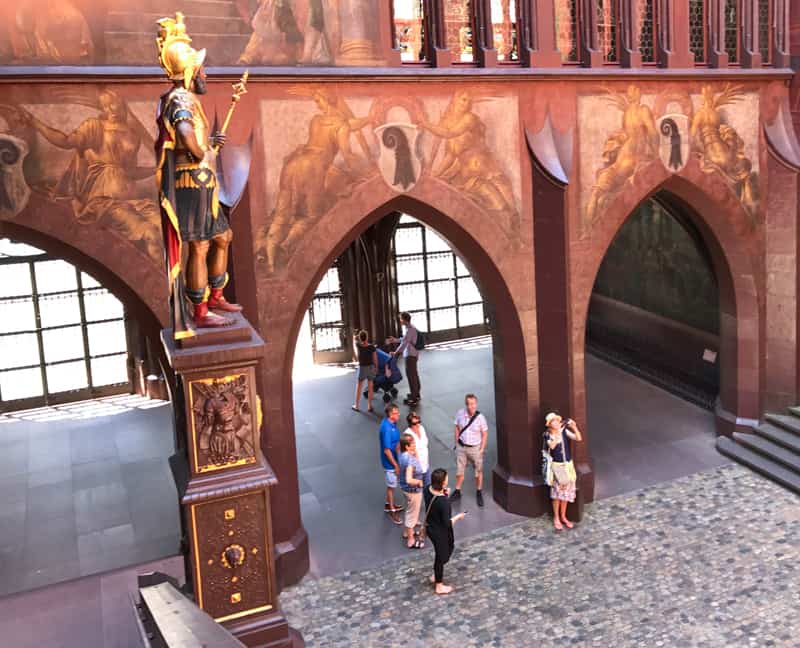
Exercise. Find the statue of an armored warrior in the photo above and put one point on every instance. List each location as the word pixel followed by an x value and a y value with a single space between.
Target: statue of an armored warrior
pixel 189 192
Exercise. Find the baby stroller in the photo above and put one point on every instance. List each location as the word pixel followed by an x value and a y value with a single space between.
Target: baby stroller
pixel 385 383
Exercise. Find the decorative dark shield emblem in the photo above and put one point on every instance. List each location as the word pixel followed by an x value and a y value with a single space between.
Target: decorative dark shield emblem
pixel 399 161
pixel 14 191
pixel 673 148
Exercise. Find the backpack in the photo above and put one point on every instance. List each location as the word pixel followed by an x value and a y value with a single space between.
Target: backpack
pixel 419 345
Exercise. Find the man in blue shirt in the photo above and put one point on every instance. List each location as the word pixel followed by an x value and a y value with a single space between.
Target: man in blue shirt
pixel 390 441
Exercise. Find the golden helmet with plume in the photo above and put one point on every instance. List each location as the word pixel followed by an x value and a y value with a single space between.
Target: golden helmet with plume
pixel 175 54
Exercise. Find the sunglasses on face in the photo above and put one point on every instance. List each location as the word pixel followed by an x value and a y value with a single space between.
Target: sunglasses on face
pixel 416 422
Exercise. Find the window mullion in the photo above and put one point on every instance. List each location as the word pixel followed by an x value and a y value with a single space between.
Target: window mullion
pixel 84 330
pixel 39 338
pixel 425 275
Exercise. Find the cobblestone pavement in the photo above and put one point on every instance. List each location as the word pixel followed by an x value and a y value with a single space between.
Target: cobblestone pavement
pixel 708 560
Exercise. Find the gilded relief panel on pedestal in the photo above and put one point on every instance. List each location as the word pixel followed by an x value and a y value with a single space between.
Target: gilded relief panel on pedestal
pixel 223 423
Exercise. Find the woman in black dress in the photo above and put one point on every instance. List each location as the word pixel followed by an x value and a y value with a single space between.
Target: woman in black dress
pixel 439 526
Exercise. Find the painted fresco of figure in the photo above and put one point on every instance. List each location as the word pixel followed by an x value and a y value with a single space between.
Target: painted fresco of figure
pixel 44 31
pixel 467 162
pixel 100 181
pixel 720 147
pixel 625 150
pixel 316 48
pixel 276 38
pixel 310 179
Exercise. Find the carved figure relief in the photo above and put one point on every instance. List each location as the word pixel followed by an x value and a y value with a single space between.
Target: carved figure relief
pixel 635 143
pixel 223 423
pixel 14 191
pixel 720 147
pixel 100 181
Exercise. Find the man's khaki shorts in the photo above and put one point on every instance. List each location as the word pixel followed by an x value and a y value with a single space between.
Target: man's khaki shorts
pixel 468 454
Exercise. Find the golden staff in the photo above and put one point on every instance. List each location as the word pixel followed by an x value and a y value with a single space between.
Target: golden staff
pixel 239 90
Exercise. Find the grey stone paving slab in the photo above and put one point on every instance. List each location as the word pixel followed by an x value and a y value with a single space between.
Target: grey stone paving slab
pixel 709 560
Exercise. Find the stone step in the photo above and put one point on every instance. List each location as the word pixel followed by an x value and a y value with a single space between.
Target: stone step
pixel 787 422
pixel 760 464
pixel 769 449
pixel 135 48
pixel 190 8
pixel 794 411
pixel 779 435
pixel 137 21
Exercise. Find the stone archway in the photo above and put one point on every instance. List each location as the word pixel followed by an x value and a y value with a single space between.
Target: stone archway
pixel 494 264
pixel 733 241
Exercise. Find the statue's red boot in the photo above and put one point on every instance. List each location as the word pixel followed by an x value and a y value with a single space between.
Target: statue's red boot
pixel 217 301
pixel 204 319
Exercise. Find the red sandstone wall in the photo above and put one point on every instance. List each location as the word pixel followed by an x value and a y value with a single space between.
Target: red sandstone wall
pixel 322 161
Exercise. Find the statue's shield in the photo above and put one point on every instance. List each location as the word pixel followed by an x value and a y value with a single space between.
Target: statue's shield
pixel 14 191
pixel 673 147
pixel 399 161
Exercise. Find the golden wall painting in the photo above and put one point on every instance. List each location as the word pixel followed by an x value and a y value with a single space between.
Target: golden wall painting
pixel 671 126
pixel 329 145
pixel 89 151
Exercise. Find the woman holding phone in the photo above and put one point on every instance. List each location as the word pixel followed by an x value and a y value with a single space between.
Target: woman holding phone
pixel 439 526
pixel 561 476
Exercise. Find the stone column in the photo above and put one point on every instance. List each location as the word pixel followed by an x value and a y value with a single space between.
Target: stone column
pixel 358 22
pixel 672 29
pixel 535 34
pixel 630 56
pixel 715 24
pixel 749 44
pixel 590 54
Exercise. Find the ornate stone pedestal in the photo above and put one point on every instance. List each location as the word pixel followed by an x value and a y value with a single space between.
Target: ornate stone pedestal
pixel 223 482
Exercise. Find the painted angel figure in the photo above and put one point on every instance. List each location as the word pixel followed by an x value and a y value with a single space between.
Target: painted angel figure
pixel 317 172
pixel 720 147
pixel 100 181
pixel 468 163
pixel 626 149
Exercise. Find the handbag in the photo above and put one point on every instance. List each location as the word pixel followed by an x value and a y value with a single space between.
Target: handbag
pixel 547 463
pixel 561 473
pixel 423 530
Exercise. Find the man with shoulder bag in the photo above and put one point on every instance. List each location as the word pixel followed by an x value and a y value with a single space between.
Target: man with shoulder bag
pixel 471 436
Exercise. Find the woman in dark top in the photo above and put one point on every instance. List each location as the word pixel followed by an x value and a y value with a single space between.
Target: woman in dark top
pixel 367 368
pixel 439 525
